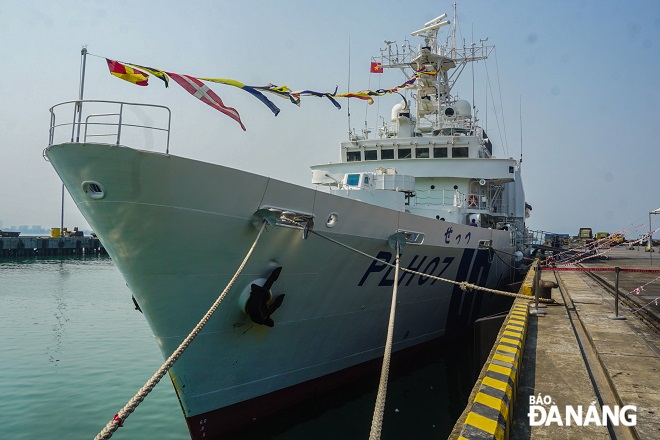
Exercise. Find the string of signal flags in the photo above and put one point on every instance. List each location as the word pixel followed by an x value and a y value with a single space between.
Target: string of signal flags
pixel 139 75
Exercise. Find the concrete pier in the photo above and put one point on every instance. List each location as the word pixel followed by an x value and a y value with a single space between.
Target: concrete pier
pixel 580 366
pixel 26 246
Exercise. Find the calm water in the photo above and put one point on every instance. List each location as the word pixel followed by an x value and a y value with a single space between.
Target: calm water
pixel 73 351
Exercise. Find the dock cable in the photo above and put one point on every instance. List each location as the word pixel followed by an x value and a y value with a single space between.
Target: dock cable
pixel 530 259
pixel 464 285
pixel 132 404
pixel 379 407
pixel 495 251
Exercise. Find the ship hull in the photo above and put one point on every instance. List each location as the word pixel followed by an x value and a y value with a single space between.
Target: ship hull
pixel 178 230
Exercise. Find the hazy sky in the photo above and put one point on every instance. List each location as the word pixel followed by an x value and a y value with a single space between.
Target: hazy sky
pixel 584 73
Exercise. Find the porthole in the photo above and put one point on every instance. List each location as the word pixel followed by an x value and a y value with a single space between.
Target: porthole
pixel 332 220
pixel 94 190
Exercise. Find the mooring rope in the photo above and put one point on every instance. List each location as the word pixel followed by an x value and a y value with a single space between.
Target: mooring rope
pixel 463 285
pixel 379 407
pixel 123 414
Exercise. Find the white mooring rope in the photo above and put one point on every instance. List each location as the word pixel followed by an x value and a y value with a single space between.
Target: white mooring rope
pixel 464 285
pixel 379 408
pixel 123 414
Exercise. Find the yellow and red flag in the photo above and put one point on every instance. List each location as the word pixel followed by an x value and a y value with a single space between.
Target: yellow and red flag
pixel 127 73
pixel 376 67
pixel 363 94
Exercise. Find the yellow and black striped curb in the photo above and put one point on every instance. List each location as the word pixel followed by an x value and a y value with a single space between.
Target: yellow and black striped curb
pixel 527 287
pixel 491 409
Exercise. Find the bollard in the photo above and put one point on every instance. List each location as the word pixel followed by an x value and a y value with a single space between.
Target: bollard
pixel 616 296
pixel 545 289
pixel 537 276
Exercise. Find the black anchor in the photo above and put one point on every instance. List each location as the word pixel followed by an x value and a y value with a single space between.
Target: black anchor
pixel 257 306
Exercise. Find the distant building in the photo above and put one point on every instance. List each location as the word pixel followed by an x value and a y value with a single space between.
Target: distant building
pixel 30 230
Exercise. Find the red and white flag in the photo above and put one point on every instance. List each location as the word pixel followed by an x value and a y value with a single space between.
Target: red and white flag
pixel 201 91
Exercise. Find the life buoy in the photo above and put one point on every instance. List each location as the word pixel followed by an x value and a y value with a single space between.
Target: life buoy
pixel 473 201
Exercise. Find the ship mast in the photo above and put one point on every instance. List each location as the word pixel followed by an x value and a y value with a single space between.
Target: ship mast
pixel 432 92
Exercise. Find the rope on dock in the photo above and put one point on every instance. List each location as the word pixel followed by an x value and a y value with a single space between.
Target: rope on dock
pixel 379 408
pixel 123 414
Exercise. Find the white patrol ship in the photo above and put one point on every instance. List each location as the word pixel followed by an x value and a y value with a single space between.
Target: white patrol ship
pixel 420 181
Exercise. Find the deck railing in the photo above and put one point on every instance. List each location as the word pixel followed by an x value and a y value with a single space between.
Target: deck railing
pixel 92 121
pixel 439 197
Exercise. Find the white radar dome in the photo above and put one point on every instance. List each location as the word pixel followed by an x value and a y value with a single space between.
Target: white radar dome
pixel 462 108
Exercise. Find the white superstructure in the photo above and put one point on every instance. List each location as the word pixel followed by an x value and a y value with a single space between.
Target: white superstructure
pixel 433 160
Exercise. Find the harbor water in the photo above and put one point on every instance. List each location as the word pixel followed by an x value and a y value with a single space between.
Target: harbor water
pixel 74 350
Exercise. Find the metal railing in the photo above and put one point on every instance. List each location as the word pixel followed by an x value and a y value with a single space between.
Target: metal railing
pixel 439 197
pixel 76 125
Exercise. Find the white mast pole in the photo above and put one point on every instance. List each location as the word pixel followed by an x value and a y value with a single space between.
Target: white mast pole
pixel 83 54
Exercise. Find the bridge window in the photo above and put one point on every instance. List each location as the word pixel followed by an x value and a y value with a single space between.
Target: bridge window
pixel 459 152
pixel 422 153
pixel 371 155
pixel 387 154
pixel 405 153
pixel 440 152
pixel 353 156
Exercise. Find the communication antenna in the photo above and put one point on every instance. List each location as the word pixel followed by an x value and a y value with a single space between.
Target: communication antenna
pixel 348 101
pixel 472 52
pixel 453 32
pixel 521 131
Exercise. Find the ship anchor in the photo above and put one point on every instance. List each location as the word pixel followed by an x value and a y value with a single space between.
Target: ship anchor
pixel 257 306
